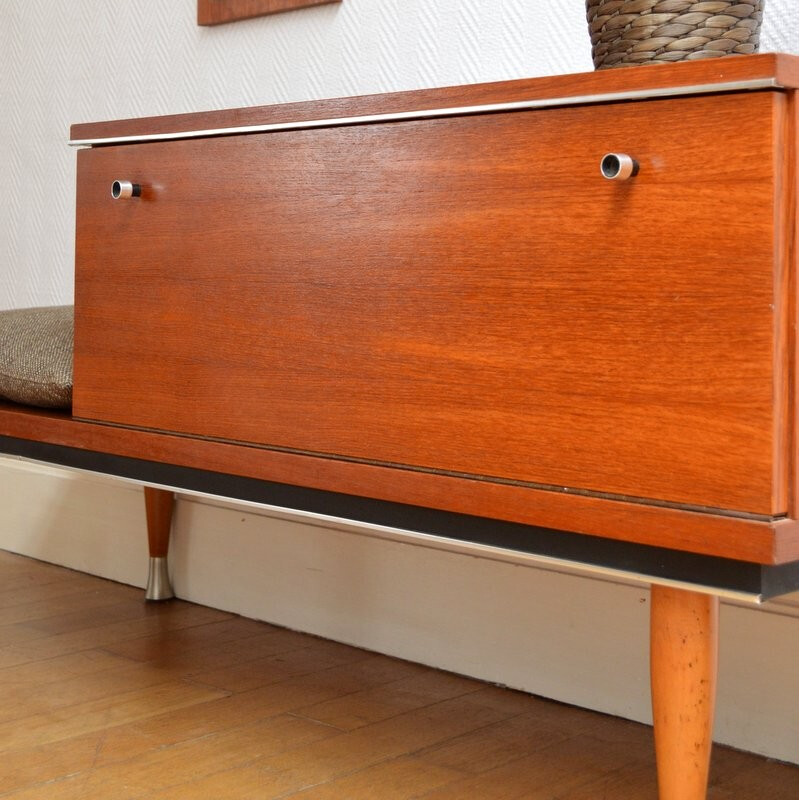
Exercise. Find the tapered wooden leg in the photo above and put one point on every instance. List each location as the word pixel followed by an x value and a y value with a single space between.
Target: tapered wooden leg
pixel 683 674
pixel 159 504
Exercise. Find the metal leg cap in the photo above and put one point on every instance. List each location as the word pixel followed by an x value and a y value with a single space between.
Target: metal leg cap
pixel 158 584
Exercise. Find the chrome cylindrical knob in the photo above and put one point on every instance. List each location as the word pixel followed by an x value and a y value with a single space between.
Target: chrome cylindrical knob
pixel 618 166
pixel 122 189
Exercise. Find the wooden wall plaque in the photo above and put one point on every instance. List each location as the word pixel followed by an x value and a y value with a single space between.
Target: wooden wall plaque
pixel 215 12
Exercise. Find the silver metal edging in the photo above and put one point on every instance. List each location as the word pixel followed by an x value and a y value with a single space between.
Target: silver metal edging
pixel 433 542
pixel 457 111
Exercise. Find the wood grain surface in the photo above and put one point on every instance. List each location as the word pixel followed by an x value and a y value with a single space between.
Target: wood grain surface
pixel 786 223
pixel 765 541
pixel 178 702
pixel 466 295
pixel 159 505
pixel 684 649
pixel 779 67
pixel 215 12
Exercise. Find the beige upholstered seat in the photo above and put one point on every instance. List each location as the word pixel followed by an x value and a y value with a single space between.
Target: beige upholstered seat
pixel 36 356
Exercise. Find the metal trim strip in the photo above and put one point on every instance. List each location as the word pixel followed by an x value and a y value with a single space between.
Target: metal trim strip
pixel 442 543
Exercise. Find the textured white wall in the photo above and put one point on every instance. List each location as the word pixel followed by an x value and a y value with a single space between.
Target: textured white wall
pixel 65 61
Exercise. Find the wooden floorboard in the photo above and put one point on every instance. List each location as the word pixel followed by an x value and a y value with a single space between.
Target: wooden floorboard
pixel 105 697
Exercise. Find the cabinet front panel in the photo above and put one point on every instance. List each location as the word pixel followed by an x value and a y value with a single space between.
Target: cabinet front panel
pixel 465 295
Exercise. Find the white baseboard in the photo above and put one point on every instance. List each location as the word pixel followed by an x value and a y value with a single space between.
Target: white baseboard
pixel 575 639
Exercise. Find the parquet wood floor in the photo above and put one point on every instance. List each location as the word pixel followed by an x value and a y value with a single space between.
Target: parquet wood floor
pixel 104 697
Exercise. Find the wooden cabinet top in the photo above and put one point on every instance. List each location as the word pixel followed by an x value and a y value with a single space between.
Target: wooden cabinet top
pixel 714 75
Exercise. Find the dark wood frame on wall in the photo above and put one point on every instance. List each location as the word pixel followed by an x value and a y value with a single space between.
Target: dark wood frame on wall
pixel 215 12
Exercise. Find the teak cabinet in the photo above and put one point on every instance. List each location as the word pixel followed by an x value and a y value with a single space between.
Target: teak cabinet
pixel 432 310
pixel 465 294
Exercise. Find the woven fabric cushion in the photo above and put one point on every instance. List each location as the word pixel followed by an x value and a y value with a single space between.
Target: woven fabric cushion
pixel 36 356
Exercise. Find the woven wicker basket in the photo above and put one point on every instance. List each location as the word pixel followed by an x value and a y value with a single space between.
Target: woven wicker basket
pixel 626 33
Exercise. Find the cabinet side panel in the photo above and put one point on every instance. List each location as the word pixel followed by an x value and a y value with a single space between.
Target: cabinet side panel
pixel 786 222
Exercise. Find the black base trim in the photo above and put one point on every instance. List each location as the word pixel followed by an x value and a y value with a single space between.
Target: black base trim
pixel 660 563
